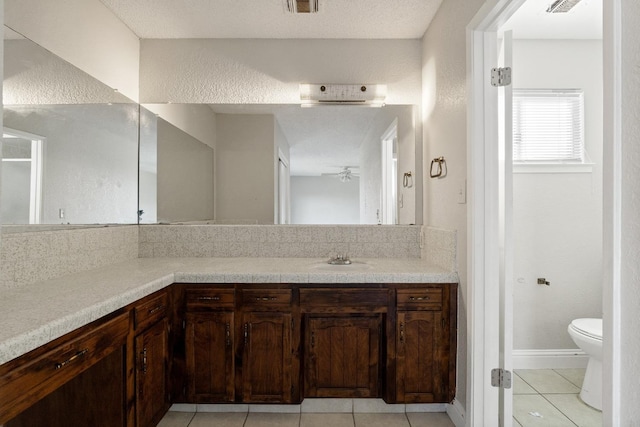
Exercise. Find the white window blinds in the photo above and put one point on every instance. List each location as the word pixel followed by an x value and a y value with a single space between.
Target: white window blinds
pixel 548 126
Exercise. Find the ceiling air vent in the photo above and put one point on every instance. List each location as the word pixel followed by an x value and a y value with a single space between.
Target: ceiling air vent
pixel 301 6
pixel 339 94
pixel 562 6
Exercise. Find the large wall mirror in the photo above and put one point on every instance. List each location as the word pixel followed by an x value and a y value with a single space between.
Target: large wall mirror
pixel 76 152
pixel 278 164
pixel 70 143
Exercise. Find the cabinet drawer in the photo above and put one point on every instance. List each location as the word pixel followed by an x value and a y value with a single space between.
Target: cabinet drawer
pixel 151 310
pixel 420 299
pixel 337 300
pixel 266 299
pixel 209 298
pixel 34 379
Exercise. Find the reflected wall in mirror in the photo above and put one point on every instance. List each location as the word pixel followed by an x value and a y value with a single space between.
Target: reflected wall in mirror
pixel 70 143
pixel 282 164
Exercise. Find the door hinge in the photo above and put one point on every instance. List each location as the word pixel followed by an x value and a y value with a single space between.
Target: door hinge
pixel 501 76
pixel 500 378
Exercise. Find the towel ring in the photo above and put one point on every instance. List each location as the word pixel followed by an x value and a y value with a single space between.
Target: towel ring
pixel 441 168
pixel 407 181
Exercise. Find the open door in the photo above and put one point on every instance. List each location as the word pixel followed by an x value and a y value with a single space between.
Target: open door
pixel 505 149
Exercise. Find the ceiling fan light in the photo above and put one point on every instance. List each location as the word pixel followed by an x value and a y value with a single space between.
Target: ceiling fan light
pixel 562 6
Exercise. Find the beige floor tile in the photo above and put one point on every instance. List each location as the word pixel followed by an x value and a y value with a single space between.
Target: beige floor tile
pixel 218 419
pixel 547 381
pixel 532 410
pixel 521 387
pixel 574 375
pixel 423 419
pixel 576 410
pixel 259 419
pixel 381 420
pixel 516 423
pixel 176 419
pixel 326 419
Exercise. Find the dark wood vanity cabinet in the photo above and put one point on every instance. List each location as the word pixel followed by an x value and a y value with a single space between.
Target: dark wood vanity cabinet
pixel 344 333
pixel 78 379
pixel 151 347
pixel 238 349
pixel 209 324
pixel 425 344
pixel 250 343
pixel 342 356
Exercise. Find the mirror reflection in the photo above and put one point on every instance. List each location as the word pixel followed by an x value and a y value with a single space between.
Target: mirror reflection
pixel 70 143
pixel 277 164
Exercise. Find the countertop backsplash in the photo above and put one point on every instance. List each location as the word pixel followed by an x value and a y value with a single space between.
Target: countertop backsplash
pixel 279 241
pixel 31 257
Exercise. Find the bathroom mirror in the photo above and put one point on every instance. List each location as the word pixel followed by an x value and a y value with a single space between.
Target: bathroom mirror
pixel 70 143
pixel 278 164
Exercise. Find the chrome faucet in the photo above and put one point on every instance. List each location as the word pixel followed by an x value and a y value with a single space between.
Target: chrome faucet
pixel 340 260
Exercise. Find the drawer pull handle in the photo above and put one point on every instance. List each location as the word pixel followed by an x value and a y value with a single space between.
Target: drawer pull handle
pixel 208 298
pixel 402 333
pixel 419 298
pixel 266 298
pixel 72 358
pixel 156 309
pixel 227 328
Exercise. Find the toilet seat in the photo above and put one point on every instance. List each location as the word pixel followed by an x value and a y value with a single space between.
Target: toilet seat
pixel 589 327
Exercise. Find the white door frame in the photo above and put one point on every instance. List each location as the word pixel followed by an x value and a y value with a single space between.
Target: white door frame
pixel 483 232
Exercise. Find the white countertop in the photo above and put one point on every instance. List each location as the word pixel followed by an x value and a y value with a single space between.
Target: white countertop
pixel 36 314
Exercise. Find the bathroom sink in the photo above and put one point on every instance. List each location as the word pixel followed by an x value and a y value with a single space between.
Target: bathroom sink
pixel 354 267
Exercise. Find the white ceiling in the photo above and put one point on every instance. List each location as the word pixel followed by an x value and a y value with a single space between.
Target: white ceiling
pixel 337 19
pixel 532 21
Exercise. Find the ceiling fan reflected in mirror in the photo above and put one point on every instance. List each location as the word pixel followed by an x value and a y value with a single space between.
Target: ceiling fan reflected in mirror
pixel 345 173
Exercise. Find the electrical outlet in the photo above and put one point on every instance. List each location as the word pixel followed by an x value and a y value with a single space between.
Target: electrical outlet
pixel 61 213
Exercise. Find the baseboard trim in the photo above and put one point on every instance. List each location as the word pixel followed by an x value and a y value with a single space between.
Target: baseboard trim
pixel 456 413
pixel 549 359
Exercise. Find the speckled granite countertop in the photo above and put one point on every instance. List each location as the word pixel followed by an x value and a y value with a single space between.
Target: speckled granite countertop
pixel 36 314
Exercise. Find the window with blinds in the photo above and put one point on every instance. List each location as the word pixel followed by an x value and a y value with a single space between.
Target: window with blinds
pixel 548 126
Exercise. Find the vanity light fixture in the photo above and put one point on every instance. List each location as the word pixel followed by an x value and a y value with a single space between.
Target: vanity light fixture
pixel 370 95
pixel 301 6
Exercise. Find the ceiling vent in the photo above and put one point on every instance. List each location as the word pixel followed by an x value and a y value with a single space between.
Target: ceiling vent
pixel 301 6
pixel 562 6
pixel 338 94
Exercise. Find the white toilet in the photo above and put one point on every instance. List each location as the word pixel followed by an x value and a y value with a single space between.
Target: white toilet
pixel 587 334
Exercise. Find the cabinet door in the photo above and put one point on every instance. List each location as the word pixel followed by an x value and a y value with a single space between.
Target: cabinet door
pixel 342 357
pixel 267 356
pixel 152 400
pixel 209 352
pixel 422 357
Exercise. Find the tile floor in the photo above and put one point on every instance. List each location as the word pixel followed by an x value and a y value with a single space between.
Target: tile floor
pixel 541 397
pixel 549 397
pixel 306 419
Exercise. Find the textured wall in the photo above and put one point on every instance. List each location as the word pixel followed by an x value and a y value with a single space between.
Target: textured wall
pixel 185 176
pixel 102 46
pixel 324 200
pixel 35 76
pixel 444 107
pixel 90 165
pixel 269 71
pixel 558 216
pixel 245 168
pixel 630 250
